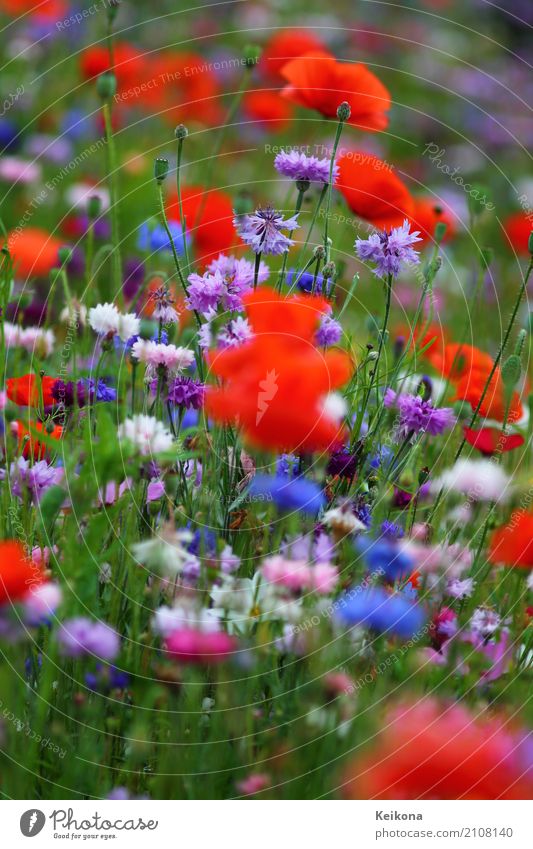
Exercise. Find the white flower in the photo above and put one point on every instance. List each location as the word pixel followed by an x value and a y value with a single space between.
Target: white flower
pixel 156 354
pixel 334 406
pixel 74 313
pixel 165 554
pixel 79 194
pixel 104 319
pixel 242 602
pixel 148 434
pixel 530 581
pixel 343 520
pixel 480 480
pixel 34 340
pixel 183 615
pixel 128 326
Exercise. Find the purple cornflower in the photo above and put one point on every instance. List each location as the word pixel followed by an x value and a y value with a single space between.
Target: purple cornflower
pixel 418 415
pixel 186 393
pixel 63 392
pixel 389 249
pixel 298 166
pixel 262 231
pixel 343 463
pixel 164 311
pixel 36 478
pixel 236 332
pixel 81 636
pixel 205 292
pixel 238 277
pixel 329 332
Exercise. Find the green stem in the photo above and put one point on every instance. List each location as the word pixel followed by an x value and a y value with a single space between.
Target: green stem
pixel 113 190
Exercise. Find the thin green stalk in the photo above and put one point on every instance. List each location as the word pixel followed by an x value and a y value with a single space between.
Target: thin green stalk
pixel 113 190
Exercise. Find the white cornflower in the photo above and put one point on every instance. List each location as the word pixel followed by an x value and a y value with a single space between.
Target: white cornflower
pixel 148 434
pixel 479 480
pixel 104 319
pixel 128 325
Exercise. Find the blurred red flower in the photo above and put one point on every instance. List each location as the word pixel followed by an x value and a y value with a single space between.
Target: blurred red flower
pixel 26 391
pixel 130 68
pixel 518 228
pixel 17 573
pixel 276 385
pixel 490 440
pixel 430 750
pixel 50 10
pixel 28 438
pixel 34 251
pixel 209 218
pixel 182 86
pixel 268 109
pixel 427 214
pixel 318 81
pixel 372 190
pixel 512 544
pixel 286 45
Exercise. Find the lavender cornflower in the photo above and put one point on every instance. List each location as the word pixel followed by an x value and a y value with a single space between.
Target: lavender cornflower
pixel 187 393
pixel 418 415
pixel 389 249
pixel 236 332
pixel 238 277
pixel 81 636
pixel 298 166
pixel 262 231
pixel 329 332
pixel 35 479
pixel 205 292
pixel 164 310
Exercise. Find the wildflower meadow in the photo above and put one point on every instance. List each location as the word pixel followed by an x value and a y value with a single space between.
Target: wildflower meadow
pixel 266 485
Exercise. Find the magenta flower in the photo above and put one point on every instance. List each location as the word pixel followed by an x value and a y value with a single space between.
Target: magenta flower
pixel 416 415
pixel 190 645
pixel 262 231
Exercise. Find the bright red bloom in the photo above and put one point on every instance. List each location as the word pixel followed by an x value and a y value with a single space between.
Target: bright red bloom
pixel 456 362
pixel 130 69
pixel 494 406
pixel 512 544
pixel 182 87
pixel 319 82
pixel 17 574
pixel 490 440
pixel 372 190
pixel 518 228
pixel 209 219
pixel 31 447
pixel 47 10
pixel 427 214
pixel 26 391
pixel 286 45
pixel 34 251
pixel 268 109
pixel 276 384
pixel 430 750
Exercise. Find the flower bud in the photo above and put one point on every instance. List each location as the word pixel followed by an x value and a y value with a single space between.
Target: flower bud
pixel 251 55
pixel 181 131
pixel 344 111
pixel 319 252
pixel 106 85
pixel 530 243
pixel 65 255
pixel 160 169
pixel 511 371
pixel 302 185
pixel 329 270
pixel 94 206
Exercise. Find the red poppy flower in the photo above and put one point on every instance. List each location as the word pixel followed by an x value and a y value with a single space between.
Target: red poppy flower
pixel 456 362
pixel 372 190
pixel 181 86
pixel 471 388
pixel 319 82
pixel 512 544
pixel 26 391
pixel 34 251
pixel 427 214
pixel 49 10
pixel 209 217
pixel 130 69
pixel 286 45
pixel 429 750
pixel 518 229
pixel 31 447
pixel 17 574
pixel 276 384
pixel 490 440
pixel 268 109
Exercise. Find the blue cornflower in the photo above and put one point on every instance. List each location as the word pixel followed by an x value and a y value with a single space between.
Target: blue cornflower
pixel 386 557
pixel 203 543
pixel 289 494
pixel 305 281
pixel 286 465
pixel 377 609
pixel 153 237
pixel 392 530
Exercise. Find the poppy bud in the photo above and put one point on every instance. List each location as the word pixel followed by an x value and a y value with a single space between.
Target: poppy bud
pixel 530 243
pixel 252 55
pixel 181 131
pixel 65 255
pixel 511 371
pixel 440 231
pixel 106 85
pixel 94 205
pixel 160 169
pixel 344 111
